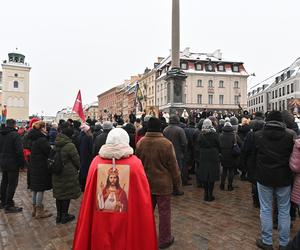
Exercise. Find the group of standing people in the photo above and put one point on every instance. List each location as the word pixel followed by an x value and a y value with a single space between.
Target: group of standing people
pixel 137 166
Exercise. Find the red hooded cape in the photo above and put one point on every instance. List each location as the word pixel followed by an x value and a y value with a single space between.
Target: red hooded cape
pixel 131 230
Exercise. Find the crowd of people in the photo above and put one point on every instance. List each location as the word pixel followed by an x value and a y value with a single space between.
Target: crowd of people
pixel 127 168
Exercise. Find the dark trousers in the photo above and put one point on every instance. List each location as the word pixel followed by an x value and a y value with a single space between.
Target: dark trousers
pixel 164 212
pixel 255 194
pixel 62 207
pixel 208 190
pixel 230 172
pixel 183 170
pixel 8 188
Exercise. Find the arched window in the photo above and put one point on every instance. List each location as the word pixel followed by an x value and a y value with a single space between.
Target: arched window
pixel 16 84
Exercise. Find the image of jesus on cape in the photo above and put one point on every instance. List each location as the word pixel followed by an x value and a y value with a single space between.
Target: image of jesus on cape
pixel 112 197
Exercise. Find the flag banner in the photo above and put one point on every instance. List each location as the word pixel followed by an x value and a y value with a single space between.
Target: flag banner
pixel 138 98
pixel 78 107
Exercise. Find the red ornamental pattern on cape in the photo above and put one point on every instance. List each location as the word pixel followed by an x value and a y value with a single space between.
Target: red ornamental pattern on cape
pixel 78 107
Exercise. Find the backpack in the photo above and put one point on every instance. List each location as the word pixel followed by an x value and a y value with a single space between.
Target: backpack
pixel 55 164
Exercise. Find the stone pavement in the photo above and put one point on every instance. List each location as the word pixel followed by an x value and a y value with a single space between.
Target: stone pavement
pixel 230 222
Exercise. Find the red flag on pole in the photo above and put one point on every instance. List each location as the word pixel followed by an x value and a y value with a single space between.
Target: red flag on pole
pixel 78 107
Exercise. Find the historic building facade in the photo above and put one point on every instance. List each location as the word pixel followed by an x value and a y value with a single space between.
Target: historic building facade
pixel 280 92
pixel 14 86
pixel 212 82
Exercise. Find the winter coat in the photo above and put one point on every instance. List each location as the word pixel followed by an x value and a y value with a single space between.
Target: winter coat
pixel 189 132
pixel 86 153
pixel 11 150
pixel 132 229
pixel 274 145
pixel 52 135
pixel 66 184
pixel 176 135
pixel 227 140
pixel 208 146
pixel 130 129
pixel 243 131
pixel 160 165
pixel 99 142
pixel 295 167
pixel 40 176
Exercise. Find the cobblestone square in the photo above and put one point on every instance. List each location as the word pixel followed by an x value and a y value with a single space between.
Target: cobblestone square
pixel 230 222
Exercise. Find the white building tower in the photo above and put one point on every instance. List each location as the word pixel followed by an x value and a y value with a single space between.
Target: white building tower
pixel 15 86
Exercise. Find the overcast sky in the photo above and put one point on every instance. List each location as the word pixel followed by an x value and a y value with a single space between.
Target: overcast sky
pixel 94 45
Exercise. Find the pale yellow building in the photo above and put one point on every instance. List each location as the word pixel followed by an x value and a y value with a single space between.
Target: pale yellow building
pixel 14 86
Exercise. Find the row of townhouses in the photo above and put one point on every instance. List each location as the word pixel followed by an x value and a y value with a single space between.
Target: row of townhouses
pixel 281 91
pixel 212 82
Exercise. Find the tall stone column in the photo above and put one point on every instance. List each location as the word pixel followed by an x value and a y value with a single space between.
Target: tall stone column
pixel 175 77
pixel 175 34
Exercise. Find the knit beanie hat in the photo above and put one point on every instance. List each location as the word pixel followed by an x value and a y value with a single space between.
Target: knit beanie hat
pixel 154 125
pixel 107 125
pixel 274 115
pixel 117 136
pixel 174 119
pixel 234 120
pixel 227 124
pixel 207 124
pixel 222 122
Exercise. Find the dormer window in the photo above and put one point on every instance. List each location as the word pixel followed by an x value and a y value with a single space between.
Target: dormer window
pixel 235 68
pixel 221 67
pixel 288 74
pixel 184 66
pixel 11 58
pixel 277 79
pixel 209 67
pixel 198 66
pixel 282 77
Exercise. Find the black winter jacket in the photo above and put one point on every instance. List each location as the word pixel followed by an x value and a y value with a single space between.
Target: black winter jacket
pixel 99 141
pixel 40 176
pixel 274 145
pixel 11 150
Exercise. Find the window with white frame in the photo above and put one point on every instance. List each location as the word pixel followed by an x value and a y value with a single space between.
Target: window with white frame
pixel 199 83
pixel 221 99
pixel 236 99
pixel 184 66
pixel 235 68
pixel 236 84
pixel 210 83
pixel 198 66
pixel 199 99
pixel 221 84
pixel 210 99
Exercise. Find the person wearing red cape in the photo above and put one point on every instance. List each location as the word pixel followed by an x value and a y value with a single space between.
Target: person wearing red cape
pixel 116 211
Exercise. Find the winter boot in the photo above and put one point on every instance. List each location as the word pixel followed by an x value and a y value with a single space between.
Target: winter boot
pixel 230 188
pixel 65 218
pixel 222 186
pixel 33 213
pixel 41 213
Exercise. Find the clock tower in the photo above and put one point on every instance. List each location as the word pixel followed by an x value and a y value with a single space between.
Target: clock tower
pixel 15 86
